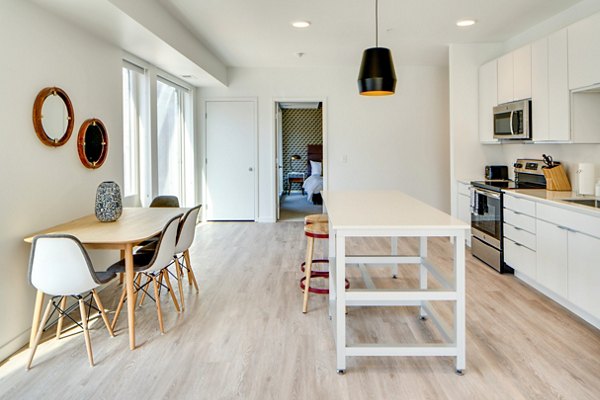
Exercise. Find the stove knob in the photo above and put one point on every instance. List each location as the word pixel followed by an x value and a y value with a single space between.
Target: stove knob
pixel 518 165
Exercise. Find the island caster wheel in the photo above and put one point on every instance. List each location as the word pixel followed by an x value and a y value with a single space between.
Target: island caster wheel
pixel 341 371
pixel 423 317
pixel 460 372
pixel 395 276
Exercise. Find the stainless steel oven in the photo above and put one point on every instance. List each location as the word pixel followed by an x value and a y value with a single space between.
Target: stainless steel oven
pixel 513 120
pixel 486 224
pixel 487 214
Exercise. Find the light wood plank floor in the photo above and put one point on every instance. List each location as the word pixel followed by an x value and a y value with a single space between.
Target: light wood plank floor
pixel 244 336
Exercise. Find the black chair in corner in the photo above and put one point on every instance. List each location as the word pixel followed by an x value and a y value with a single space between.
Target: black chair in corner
pixel 165 201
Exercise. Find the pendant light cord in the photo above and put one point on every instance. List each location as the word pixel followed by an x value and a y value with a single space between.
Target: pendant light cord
pixel 376 23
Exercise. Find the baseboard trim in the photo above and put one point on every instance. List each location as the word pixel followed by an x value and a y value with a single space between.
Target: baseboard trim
pixel 11 348
pixel 266 220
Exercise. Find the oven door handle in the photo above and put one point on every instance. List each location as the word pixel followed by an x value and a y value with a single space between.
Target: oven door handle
pixel 487 193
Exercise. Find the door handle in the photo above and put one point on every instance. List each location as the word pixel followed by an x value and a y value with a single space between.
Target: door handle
pixel 512 132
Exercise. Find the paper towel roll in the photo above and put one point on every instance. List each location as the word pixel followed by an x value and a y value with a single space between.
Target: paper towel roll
pixel 586 178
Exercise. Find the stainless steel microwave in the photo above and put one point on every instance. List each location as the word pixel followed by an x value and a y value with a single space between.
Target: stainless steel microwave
pixel 513 120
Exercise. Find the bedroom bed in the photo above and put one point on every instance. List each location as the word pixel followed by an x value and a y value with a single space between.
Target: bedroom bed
pixel 314 172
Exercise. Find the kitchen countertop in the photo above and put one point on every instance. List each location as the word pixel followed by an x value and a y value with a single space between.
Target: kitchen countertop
pixel 555 198
pixel 468 181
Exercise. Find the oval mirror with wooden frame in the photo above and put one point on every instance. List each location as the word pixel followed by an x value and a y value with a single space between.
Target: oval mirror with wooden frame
pixel 53 116
pixel 92 143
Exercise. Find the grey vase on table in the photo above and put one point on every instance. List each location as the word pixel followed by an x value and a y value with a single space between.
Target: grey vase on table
pixel 109 204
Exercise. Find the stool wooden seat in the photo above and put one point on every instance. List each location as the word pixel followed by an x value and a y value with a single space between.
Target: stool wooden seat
pixel 317 231
pixel 316 219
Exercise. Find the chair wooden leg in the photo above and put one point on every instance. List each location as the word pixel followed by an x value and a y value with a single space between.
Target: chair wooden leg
pixel 37 313
pixel 86 332
pixel 38 336
pixel 191 275
pixel 61 317
pixel 158 308
pixel 119 308
pixel 143 296
pixel 307 270
pixel 138 280
pixel 102 312
pixel 180 283
pixel 168 282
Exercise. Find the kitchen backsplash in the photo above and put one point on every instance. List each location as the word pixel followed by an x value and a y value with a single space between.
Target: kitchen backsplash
pixel 570 155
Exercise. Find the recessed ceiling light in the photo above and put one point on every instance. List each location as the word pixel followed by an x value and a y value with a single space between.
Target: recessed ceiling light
pixel 301 24
pixel 466 22
pixel 187 76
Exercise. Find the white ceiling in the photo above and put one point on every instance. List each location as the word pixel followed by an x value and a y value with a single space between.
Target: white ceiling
pixel 257 33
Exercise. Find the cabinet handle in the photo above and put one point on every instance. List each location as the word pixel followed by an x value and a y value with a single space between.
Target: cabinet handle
pixel 517 228
pixel 516 212
pixel 518 244
pixel 564 228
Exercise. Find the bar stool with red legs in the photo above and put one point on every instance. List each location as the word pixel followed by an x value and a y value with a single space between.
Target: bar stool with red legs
pixel 314 231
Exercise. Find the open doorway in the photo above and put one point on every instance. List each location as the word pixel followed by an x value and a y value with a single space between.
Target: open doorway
pixel 300 132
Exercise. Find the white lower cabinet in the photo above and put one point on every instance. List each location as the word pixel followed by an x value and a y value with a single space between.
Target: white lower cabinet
pixel 520 257
pixel 464 208
pixel 552 257
pixel 584 272
pixel 557 251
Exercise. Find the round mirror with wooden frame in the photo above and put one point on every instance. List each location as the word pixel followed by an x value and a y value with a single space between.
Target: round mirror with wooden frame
pixel 92 143
pixel 53 116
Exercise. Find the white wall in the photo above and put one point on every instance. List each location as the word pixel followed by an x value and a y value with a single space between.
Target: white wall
pixel 44 186
pixel 469 155
pixel 396 142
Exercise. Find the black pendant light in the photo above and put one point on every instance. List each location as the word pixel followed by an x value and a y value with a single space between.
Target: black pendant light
pixel 377 76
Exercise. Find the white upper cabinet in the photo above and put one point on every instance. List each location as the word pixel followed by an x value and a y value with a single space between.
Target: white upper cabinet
pixel 514 75
pixel 488 99
pixel 505 79
pixel 522 73
pixel 584 52
pixel 550 89
pixel 558 87
pixel 539 90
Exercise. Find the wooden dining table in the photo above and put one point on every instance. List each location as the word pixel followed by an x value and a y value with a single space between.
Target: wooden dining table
pixel 133 227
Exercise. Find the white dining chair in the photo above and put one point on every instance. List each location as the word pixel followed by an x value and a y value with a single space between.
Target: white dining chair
pixel 181 258
pixel 60 267
pixel 185 238
pixel 153 266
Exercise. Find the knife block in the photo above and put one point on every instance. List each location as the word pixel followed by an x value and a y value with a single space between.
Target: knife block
pixel 556 179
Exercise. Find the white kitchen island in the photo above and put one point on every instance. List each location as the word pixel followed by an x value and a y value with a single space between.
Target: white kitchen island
pixel 394 214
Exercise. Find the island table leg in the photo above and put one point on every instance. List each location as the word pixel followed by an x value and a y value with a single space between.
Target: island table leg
pixel 459 310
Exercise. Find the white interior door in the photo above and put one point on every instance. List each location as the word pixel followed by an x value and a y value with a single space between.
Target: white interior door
pixel 278 159
pixel 231 160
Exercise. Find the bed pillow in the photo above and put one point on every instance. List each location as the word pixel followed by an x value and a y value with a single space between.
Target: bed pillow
pixel 315 168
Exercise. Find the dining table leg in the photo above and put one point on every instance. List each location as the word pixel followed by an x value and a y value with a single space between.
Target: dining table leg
pixel 129 276
pixel 37 313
